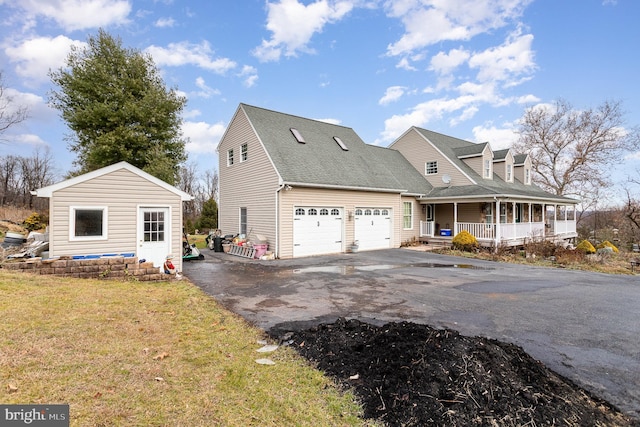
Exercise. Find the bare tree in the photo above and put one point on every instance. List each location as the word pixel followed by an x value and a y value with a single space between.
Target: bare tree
pixel 37 171
pixel 20 175
pixel 211 181
pixel 10 112
pixel 572 150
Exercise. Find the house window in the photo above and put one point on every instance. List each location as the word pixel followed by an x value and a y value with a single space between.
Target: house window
pixel 88 223
pixel 527 176
pixel 488 213
pixel 431 168
pixel 407 218
pixel 230 157
pixel 487 168
pixel 503 213
pixel 243 221
pixel 429 212
pixel 509 173
pixel 244 152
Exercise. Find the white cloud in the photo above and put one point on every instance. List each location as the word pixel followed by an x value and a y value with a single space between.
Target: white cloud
pixel 498 138
pixel 74 15
pixel 405 65
pixel 185 53
pixel 424 113
pixel 250 75
pixel 36 56
pixel 444 63
pixel 392 94
pixel 165 23
pixel 507 61
pixel 293 24
pixel 203 137
pixel 205 91
pixel 330 121
pixel 428 22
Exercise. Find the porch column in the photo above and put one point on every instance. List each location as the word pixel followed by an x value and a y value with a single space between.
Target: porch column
pixel 455 218
pixel 496 219
pixel 530 221
pixel 544 221
pixel 513 212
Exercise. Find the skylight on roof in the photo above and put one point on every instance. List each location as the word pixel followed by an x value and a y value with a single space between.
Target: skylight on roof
pixel 340 143
pixel 297 135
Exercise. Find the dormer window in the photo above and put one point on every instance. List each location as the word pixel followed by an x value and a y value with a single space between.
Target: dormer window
pixel 527 176
pixel 487 168
pixel 340 143
pixel 297 135
pixel 509 172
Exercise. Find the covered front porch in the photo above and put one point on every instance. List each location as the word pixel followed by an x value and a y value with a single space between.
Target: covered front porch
pixel 498 222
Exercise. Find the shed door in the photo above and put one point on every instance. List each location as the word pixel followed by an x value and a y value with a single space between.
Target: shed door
pixel 373 228
pixel 154 240
pixel 317 230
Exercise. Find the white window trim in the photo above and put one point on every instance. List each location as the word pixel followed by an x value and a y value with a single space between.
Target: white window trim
pixel 487 168
pixel 509 172
pixel 410 215
pixel 244 156
pixel 72 223
pixel 426 170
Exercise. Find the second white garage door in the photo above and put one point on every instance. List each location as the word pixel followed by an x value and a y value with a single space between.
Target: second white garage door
pixel 373 228
pixel 317 230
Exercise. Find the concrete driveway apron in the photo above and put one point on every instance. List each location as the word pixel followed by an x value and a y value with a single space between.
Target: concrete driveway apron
pixel 583 325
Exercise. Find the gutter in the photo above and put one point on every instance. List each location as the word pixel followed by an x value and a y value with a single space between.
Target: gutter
pixel 345 187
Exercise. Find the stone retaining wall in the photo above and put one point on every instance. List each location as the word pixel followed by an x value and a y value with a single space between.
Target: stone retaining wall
pixel 116 267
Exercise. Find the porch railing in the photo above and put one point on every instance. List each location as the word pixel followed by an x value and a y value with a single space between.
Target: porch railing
pixel 508 231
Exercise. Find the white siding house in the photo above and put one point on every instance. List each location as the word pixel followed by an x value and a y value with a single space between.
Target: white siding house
pixel 114 210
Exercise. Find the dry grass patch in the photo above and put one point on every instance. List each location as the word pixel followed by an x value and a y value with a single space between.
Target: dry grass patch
pixel 151 354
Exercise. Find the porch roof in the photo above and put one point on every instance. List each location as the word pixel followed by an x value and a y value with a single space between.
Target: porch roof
pixel 491 189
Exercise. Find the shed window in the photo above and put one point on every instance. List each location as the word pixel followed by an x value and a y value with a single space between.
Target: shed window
pixel 88 222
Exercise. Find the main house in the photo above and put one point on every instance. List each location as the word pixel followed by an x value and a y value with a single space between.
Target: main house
pixel 313 187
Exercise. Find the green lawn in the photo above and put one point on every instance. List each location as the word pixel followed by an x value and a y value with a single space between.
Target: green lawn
pixel 151 354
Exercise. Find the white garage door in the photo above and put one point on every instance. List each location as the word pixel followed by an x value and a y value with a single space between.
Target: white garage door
pixel 373 228
pixel 317 230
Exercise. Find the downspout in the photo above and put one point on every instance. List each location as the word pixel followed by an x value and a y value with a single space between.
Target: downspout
pixel 277 194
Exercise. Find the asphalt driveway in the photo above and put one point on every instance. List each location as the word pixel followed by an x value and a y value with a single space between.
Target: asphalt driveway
pixel 585 326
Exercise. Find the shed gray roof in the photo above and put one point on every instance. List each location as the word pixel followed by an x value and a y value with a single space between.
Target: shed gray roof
pixel 320 161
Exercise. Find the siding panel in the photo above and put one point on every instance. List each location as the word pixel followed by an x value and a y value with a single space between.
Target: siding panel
pixel 251 184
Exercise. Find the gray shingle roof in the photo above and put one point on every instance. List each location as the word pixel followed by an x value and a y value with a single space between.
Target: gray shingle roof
pixel 320 161
pixel 451 147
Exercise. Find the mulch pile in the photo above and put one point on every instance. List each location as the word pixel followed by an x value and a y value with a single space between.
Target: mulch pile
pixel 408 374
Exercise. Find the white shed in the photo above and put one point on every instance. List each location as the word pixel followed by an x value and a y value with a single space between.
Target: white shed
pixel 118 209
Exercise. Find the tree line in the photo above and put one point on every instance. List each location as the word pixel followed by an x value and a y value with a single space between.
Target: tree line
pixel 19 175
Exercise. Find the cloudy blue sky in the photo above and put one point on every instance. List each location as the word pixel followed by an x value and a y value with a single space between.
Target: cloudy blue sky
pixel 466 68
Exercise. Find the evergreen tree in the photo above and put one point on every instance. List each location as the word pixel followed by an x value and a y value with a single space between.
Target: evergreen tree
pixel 117 105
